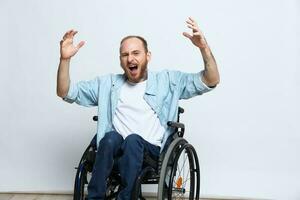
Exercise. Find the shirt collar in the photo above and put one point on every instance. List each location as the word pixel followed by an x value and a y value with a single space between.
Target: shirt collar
pixel 151 87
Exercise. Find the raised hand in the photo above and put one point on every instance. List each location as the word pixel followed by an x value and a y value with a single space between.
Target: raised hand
pixel 67 48
pixel 197 36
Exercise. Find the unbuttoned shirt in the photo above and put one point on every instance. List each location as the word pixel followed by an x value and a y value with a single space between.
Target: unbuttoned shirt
pixel 163 91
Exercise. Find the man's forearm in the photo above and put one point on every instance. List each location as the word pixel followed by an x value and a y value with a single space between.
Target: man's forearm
pixel 211 73
pixel 63 78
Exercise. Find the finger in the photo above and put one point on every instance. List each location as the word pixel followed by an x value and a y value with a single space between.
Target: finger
pixel 74 33
pixel 194 28
pixel 67 34
pixel 71 34
pixel 190 18
pixel 190 22
pixel 80 44
pixel 187 35
pixel 197 34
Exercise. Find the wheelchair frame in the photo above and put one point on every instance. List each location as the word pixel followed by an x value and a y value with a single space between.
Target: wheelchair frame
pixel 162 171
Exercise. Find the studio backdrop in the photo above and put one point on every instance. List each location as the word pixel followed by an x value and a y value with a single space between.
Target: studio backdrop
pixel 246 131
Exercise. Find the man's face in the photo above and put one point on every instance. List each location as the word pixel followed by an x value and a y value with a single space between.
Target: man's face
pixel 134 59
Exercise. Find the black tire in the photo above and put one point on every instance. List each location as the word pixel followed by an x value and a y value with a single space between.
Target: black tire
pixel 174 183
pixel 113 186
pixel 83 173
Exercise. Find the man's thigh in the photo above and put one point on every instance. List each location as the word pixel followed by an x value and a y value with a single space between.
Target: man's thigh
pixel 134 143
pixel 111 141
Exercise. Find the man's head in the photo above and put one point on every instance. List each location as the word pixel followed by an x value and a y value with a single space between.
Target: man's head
pixel 134 58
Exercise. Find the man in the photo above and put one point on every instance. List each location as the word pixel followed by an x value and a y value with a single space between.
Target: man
pixel 134 107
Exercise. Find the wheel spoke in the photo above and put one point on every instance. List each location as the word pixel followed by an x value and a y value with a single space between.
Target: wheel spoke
pixel 183 163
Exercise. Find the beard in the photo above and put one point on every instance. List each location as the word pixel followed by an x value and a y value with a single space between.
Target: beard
pixel 136 75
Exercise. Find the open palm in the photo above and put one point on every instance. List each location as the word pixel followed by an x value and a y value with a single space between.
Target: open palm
pixel 197 36
pixel 67 48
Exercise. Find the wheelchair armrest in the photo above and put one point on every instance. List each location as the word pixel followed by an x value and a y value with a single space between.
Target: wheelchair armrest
pixel 175 124
pixel 179 127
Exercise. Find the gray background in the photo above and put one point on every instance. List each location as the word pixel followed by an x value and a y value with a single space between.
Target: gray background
pixel 246 131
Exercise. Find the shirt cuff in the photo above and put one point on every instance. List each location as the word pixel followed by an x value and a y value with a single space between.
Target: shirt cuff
pixel 200 84
pixel 72 93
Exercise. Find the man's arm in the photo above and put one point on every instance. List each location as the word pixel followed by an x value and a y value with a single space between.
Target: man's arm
pixel 211 74
pixel 67 50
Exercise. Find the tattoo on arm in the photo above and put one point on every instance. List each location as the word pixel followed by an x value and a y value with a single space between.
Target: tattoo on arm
pixel 206 59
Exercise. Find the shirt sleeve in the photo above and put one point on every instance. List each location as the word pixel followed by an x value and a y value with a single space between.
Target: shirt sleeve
pixel 190 84
pixel 84 93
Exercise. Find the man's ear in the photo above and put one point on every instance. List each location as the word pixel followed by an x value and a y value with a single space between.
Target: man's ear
pixel 148 56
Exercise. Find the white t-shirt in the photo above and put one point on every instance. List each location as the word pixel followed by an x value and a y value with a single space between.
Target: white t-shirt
pixel 134 115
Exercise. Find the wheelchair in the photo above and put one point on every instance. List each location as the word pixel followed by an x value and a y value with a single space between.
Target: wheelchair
pixel 176 172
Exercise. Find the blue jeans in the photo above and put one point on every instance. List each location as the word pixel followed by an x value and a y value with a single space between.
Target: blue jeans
pixel 130 163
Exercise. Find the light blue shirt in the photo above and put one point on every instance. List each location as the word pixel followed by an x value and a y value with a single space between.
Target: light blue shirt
pixel 163 91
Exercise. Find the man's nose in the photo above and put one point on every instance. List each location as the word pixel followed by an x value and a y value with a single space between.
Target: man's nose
pixel 130 58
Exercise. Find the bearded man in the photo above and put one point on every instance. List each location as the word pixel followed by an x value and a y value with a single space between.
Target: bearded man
pixel 133 107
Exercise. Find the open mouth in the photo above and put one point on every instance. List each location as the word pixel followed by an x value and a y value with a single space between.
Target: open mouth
pixel 133 68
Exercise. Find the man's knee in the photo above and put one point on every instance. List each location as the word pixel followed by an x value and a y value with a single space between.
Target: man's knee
pixel 133 139
pixel 110 140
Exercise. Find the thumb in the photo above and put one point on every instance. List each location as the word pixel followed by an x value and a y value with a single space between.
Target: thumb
pixel 187 35
pixel 80 44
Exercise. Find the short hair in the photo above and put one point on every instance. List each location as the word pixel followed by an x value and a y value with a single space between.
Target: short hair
pixel 145 44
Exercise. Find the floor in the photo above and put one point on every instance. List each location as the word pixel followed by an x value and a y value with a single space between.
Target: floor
pixel 34 197
pixel 5 196
pixel 16 196
pixel 39 197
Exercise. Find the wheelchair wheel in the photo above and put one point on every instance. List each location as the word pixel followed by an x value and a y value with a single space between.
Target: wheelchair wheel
pixel 83 173
pixel 180 173
pixel 113 186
